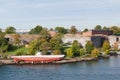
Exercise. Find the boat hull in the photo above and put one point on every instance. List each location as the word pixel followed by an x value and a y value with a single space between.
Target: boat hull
pixel 37 59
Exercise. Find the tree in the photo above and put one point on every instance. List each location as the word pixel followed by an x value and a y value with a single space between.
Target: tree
pixel 107 52
pixel 17 39
pixel 85 30
pixel 44 34
pixel 56 41
pixel 115 29
pixel 44 47
pixel 10 30
pixel 98 27
pixel 89 46
pixel 75 48
pixel 106 45
pixel 35 45
pixel 82 52
pixel 51 29
pixel 36 30
pixel 0 31
pixel 95 53
pixel 61 30
pixel 105 28
pixel 73 30
pixel 56 52
pixel 3 43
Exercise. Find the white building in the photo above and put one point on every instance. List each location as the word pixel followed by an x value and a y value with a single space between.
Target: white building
pixel 114 41
pixel 69 38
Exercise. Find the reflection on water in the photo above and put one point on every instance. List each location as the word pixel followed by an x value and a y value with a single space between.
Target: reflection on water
pixel 104 69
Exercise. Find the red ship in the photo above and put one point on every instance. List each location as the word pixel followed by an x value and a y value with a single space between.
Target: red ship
pixel 38 58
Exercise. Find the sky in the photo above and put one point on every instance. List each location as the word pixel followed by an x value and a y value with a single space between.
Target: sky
pixel 26 14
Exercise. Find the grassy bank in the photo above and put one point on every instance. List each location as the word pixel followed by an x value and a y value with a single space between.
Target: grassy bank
pixel 15 50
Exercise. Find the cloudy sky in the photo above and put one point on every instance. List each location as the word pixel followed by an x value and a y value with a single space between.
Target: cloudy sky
pixel 26 14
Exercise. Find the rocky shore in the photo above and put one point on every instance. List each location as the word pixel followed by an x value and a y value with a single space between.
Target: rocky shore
pixel 72 60
pixel 3 62
pixel 0 63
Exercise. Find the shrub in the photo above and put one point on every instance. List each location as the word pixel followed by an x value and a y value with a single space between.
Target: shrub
pixel 95 53
pixel 107 52
pixel 69 53
pixel 56 52
pixel 22 51
pixel 82 52
pixel 19 52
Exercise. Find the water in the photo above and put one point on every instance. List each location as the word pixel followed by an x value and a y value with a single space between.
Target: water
pixel 104 69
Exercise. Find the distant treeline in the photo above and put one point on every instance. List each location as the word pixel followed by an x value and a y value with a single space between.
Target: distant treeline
pixel 73 29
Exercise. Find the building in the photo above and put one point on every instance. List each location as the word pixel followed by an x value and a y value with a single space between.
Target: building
pixel 69 38
pixel 114 41
pixel 24 38
pixel 98 40
pixel 104 32
pixel 88 33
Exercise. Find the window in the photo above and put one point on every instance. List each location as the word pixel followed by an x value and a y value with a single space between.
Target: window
pixel 117 39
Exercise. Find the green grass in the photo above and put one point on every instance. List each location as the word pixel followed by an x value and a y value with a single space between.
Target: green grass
pixel 18 51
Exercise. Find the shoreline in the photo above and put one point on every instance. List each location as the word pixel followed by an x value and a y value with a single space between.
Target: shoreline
pixel 64 61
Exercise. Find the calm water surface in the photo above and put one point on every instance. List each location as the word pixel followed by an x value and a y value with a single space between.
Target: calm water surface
pixel 104 69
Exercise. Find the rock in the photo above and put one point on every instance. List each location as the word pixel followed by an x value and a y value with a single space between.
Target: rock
pixel 0 63
pixel 7 62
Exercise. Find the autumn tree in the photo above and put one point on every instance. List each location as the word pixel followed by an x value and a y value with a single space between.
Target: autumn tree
pixel 36 30
pixel 73 30
pixel 56 52
pixel 89 47
pixel 10 30
pixel 106 45
pixel 95 53
pixel 69 52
